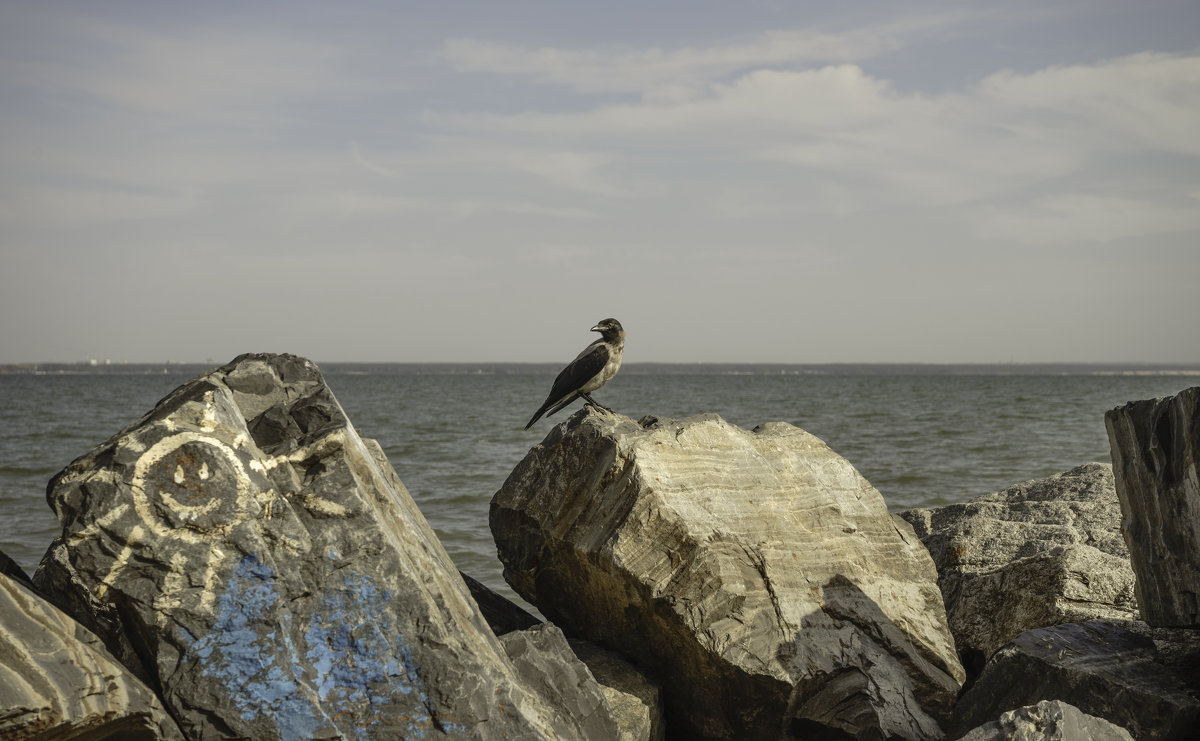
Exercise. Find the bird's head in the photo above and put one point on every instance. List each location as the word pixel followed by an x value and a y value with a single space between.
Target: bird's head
pixel 610 329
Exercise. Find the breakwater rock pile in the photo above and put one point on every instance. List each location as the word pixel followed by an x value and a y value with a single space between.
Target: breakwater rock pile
pixel 240 562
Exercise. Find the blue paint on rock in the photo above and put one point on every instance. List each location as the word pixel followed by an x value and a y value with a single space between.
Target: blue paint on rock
pixel 247 662
pixel 353 669
pixel 358 669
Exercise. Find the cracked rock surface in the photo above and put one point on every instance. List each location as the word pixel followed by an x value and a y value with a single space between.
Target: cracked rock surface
pixel 1156 459
pixel 756 574
pixel 1039 553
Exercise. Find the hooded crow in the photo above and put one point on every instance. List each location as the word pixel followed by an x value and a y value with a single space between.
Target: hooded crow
pixel 590 370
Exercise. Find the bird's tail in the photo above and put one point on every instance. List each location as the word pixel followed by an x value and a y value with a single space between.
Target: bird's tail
pixel 535 417
pixel 550 408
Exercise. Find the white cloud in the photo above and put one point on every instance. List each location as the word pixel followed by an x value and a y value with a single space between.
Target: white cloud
pixel 658 71
pixel 1008 134
pixel 587 172
pixel 1089 217
pixel 202 75
pixel 1139 102
pixel 557 254
pixel 73 206
pixel 782 172
pixel 371 165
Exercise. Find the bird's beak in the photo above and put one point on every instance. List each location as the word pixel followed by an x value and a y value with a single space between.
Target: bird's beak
pixel 596 328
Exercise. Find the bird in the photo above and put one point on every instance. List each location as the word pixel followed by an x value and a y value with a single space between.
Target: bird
pixel 590 370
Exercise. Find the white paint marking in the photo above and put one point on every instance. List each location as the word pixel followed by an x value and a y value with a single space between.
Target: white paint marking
pixel 135 534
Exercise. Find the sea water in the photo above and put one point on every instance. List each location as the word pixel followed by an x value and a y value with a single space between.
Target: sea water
pixel 924 435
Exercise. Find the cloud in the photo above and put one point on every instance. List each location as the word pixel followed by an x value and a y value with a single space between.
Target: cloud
pixel 378 169
pixel 1090 217
pixel 75 206
pixel 663 72
pixel 883 167
pixel 1008 134
pixel 358 204
pixel 199 75
pixel 1139 102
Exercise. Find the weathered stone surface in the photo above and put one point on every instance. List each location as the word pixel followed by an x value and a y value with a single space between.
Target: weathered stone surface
pixel 1049 720
pixel 1100 667
pixel 1156 459
pixel 636 700
pixel 58 681
pixel 1039 553
pixel 263 565
pixel 1178 650
pixel 757 574
pixel 548 666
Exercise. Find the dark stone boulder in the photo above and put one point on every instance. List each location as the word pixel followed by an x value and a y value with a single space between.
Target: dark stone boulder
pixel 1039 553
pixel 261 565
pixel 757 575
pixel 57 681
pixel 1156 461
pixel 1103 668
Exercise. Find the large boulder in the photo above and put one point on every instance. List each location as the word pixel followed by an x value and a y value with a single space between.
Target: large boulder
pixel 243 548
pixel 1039 553
pixel 1105 669
pixel 1156 459
pixel 1048 720
pixel 757 574
pixel 58 681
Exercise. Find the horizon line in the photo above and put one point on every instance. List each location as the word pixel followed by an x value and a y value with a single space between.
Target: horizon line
pixel 94 363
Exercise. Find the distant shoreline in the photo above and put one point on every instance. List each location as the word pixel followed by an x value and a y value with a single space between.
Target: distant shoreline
pixel 646 368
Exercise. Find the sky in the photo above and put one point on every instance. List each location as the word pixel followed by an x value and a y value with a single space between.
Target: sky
pixel 807 182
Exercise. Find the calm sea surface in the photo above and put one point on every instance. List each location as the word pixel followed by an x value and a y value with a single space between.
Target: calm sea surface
pixel 924 435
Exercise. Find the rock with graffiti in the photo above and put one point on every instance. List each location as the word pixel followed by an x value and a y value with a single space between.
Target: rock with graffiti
pixel 251 557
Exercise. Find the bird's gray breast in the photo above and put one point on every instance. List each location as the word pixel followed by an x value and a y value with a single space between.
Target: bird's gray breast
pixel 611 366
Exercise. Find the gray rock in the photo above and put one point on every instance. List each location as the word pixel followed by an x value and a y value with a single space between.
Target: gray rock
pixel 1049 720
pixel 264 567
pixel 636 700
pixel 1178 651
pixel 1039 553
pixel 1103 668
pixel 58 681
pixel 757 574
pixel 546 664
pixel 1156 459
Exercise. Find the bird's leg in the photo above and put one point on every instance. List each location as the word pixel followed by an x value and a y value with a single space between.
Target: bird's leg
pixel 588 398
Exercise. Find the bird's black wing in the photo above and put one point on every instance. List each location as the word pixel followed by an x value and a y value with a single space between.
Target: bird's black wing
pixel 571 379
